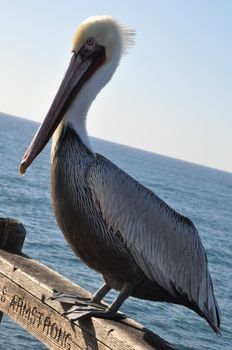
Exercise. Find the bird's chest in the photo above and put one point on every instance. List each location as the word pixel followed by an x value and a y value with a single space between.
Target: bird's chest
pixel 80 220
pixel 73 208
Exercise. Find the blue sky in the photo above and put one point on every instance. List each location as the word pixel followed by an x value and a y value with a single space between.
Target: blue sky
pixel 172 93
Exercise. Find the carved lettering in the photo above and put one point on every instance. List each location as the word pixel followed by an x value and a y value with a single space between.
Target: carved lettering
pixel 46 325
pixel 33 315
pixel 38 319
pixel 26 311
pixel 14 302
pixel 67 343
pixel 4 292
pixel 54 331
pixel 19 306
pixel 61 337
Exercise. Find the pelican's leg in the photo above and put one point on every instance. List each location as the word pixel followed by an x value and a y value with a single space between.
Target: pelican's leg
pixel 81 312
pixel 78 299
pixel 100 293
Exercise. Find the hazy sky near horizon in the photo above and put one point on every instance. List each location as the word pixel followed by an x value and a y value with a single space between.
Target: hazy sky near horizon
pixel 172 93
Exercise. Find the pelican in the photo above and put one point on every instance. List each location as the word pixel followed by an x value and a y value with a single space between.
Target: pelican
pixel 141 246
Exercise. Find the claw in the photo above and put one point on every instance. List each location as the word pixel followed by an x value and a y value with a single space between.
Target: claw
pixel 80 313
pixel 69 298
pixel 76 299
pixel 83 307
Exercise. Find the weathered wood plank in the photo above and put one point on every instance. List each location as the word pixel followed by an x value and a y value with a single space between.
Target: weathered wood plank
pixel 34 316
pixel 12 236
pixel 25 288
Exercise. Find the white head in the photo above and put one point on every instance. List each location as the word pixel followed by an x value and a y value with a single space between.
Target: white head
pixel 116 40
pixel 107 32
pixel 98 46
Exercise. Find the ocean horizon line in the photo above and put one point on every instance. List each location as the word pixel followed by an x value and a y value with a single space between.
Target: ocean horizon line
pixel 131 147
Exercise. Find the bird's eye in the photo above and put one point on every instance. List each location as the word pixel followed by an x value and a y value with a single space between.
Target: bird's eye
pixel 90 41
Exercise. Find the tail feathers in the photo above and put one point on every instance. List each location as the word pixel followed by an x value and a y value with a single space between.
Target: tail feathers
pixel 207 304
pixel 212 316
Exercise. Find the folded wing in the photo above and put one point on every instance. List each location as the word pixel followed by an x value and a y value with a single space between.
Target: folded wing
pixel 164 244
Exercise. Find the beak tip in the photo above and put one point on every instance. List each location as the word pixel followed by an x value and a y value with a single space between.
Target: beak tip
pixel 22 168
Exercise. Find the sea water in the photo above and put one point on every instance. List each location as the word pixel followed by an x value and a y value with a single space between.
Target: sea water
pixel 203 194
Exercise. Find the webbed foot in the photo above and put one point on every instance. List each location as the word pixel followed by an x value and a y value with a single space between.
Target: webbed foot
pixel 83 307
pixel 76 299
pixel 82 312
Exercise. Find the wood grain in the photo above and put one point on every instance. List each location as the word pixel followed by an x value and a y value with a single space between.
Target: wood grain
pixel 12 236
pixel 25 288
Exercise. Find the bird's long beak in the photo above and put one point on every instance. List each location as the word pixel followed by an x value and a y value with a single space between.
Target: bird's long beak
pixel 82 65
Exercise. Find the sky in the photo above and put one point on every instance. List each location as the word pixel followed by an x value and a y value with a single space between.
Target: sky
pixel 172 93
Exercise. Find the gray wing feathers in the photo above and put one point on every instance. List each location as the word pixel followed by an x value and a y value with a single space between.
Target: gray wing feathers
pixel 164 244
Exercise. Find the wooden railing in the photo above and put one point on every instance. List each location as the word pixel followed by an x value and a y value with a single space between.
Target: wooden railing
pixel 25 289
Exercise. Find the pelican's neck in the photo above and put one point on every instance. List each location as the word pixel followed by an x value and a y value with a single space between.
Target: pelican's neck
pixel 76 115
pixel 77 112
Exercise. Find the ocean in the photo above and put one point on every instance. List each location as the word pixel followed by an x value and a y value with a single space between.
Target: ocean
pixel 201 193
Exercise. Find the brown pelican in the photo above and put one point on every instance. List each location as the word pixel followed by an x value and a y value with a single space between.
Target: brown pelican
pixel 141 246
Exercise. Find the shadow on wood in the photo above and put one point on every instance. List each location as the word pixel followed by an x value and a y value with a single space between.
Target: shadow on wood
pixel 25 290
